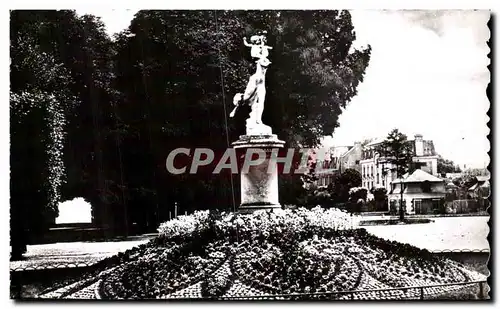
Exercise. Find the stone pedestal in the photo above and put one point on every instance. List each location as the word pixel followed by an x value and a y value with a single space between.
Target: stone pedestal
pixel 259 187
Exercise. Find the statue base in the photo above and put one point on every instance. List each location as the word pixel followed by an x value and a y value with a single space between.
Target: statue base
pixel 259 187
pixel 258 129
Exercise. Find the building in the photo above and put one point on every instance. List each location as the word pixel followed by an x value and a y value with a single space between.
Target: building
pixel 376 172
pixel 337 160
pixel 351 159
pixel 452 176
pixel 423 193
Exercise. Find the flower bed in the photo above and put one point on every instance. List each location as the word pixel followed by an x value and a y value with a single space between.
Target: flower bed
pixel 162 271
pixel 260 266
pixel 219 282
pixel 279 252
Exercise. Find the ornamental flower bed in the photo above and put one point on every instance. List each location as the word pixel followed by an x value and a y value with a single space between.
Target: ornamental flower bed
pixel 279 252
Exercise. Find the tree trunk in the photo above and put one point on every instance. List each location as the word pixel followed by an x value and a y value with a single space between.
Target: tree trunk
pixel 401 210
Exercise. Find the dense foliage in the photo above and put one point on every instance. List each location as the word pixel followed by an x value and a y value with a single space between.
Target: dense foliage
pixel 447 166
pixel 337 194
pixel 398 152
pixel 39 106
pixel 175 67
pixel 379 198
pixel 123 104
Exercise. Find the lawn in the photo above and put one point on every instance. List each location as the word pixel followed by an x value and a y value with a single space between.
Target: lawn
pixel 445 233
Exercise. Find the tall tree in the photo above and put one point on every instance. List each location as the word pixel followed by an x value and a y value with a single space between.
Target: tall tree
pixel 39 102
pixel 63 63
pixel 167 82
pixel 178 70
pixel 446 166
pixel 398 152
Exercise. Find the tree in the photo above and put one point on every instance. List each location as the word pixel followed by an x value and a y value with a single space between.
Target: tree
pixel 63 63
pixel 165 83
pixel 357 198
pixel 349 179
pixel 39 105
pixel 398 152
pixel 379 198
pixel 175 68
pixel 477 172
pixel 447 166
pixel 465 181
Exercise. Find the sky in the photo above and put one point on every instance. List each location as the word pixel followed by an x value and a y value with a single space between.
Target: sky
pixel 427 75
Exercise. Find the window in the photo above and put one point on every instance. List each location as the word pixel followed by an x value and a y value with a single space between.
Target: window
pixel 426 187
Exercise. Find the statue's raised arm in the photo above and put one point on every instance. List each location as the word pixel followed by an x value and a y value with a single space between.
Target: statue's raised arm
pixel 246 43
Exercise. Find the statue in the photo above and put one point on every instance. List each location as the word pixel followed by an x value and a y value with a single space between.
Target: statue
pixel 259 183
pixel 259 49
pixel 255 91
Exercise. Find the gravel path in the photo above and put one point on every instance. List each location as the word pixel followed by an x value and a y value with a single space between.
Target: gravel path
pixel 74 252
pixel 85 293
pixel 445 233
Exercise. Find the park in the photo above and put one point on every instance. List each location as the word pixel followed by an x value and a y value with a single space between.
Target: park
pixel 131 126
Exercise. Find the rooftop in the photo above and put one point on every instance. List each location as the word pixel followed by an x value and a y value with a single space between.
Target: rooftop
pixel 482 178
pixel 418 176
pixel 379 140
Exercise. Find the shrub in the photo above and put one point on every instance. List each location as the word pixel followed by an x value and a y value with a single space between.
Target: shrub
pixel 183 227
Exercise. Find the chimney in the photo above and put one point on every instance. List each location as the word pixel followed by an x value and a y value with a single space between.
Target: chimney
pixel 358 148
pixel 419 145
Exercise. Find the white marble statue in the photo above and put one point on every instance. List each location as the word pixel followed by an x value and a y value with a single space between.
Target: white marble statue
pixel 255 91
pixel 258 46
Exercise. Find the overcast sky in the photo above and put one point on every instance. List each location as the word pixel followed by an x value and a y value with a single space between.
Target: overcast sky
pixel 427 74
